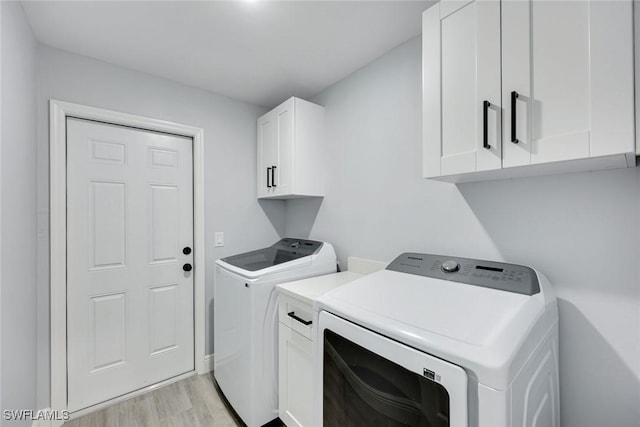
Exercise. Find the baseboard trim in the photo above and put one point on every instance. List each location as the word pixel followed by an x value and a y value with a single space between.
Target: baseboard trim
pixel 208 362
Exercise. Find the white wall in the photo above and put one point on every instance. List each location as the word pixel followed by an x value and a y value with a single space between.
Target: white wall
pixel 230 159
pixel 18 218
pixel 581 230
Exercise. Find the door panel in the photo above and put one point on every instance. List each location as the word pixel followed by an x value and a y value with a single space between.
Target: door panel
pixel 129 303
pixel 560 81
pixel 569 62
pixel 108 320
pixel 284 147
pixel 165 216
pixel 107 152
pixel 163 318
pixel 459 83
pixel 296 379
pixel 107 219
pixel 515 77
pixel 267 153
pixel 612 77
pixel 163 158
pixel 464 59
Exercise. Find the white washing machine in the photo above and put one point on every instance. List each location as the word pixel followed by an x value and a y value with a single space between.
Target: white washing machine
pixel 438 341
pixel 245 320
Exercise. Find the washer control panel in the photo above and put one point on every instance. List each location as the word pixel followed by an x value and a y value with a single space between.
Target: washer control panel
pixel 488 274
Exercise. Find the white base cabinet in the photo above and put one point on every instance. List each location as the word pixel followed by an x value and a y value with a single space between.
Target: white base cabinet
pixel 296 335
pixel 295 369
pixel 515 88
pixel 291 151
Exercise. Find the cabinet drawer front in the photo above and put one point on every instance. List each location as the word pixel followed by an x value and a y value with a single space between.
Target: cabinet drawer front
pixel 296 315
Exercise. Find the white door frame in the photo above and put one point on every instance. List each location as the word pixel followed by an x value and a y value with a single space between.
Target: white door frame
pixel 58 113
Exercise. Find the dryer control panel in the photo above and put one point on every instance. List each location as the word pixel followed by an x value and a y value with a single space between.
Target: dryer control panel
pixel 489 274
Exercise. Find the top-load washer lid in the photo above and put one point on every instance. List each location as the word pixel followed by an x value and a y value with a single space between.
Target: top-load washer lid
pixel 484 316
pixel 285 250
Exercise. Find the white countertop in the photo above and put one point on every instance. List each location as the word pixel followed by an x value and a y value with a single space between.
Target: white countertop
pixel 308 290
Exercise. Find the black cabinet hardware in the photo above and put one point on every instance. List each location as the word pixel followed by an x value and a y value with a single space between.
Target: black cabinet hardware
pixel 304 322
pixel 186 250
pixel 268 176
pixel 273 176
pixel 485 131
pixel 187 267
pixel 514 97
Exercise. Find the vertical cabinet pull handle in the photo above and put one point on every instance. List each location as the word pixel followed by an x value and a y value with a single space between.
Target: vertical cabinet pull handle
pixel 268 176
pixel 485 130
pixel 273 176
pixel 514 96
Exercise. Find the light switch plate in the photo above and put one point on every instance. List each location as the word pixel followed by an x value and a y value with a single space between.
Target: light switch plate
pixel 219 239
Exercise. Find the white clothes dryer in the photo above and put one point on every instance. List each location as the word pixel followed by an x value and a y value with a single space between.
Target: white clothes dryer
pixel 438 341
pixel 246 320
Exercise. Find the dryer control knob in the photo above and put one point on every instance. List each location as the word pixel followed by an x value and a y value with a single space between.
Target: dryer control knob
pixel 450 266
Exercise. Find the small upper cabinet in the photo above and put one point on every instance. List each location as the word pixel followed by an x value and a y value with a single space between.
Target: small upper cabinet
pixel 290 154
pixel 565 78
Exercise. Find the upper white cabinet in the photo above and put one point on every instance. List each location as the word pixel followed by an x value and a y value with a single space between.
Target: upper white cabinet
pixel 558 98
pixel 290 153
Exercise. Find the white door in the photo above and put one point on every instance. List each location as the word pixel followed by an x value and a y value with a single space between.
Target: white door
pixel 462 107
pixel 129 222
pixel 284 121
pixel 567 79
pixel 267 155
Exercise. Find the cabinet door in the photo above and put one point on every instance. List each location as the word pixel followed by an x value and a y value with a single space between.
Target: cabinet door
pixel 571 65
pixel 461 87
pixel 267 154
pixel 295 378
pixel 284 117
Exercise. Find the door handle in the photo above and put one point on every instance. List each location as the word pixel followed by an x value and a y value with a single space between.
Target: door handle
pixel 514 97
pixel 268 173
pixel 273 176
pixel 485 131
pixel 187 267
pixel 292 314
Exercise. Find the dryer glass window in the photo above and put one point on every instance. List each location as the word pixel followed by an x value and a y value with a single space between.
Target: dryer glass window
pixel 362 388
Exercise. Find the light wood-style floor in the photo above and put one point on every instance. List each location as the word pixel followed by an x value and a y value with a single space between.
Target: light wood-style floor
pixel 192 402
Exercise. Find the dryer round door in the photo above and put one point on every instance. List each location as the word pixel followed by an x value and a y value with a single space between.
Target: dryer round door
pixel 364 378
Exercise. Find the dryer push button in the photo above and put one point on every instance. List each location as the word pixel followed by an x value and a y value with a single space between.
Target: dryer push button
pixel 450 266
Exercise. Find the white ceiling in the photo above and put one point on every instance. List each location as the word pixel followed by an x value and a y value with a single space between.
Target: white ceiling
pixel 257 51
